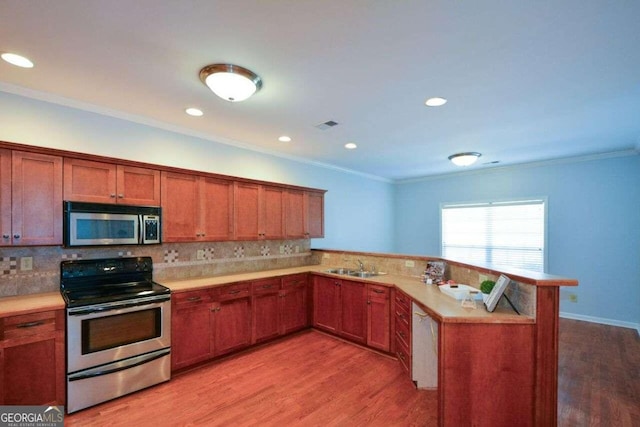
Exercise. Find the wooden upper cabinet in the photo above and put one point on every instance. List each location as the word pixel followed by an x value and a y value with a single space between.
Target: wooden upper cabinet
pixel 304 214
pixel 36 199
pixel 180 215
pixel 216 209
pixel 296 216
pixel 98 182
pixel 196 208
pixel 259 212
pixel 5 197
pixel 314 207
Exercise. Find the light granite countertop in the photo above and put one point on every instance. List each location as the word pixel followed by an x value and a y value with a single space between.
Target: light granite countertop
pixel 429 297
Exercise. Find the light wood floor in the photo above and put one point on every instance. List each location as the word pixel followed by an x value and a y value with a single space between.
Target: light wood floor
pixel 307 380
pixel 315 380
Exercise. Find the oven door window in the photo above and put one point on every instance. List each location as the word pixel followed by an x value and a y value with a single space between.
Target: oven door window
pixel 103 333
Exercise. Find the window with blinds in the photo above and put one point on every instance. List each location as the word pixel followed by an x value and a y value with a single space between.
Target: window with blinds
pixel 500 233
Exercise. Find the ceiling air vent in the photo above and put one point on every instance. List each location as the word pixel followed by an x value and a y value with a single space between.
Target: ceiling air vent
pixel 327 125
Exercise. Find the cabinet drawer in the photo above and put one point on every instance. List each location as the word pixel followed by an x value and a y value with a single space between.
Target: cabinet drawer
pixel 294 281
pixel 238 290
pixel 378 292
pixel 402 300
pixel 265 286
pixel 403 356
pixel 402 331
pixel 25 325
pixel 188 299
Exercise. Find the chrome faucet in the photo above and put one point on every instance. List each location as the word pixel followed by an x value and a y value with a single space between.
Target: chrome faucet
pixel 361 265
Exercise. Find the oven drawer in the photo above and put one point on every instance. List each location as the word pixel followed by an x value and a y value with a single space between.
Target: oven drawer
pixel 26 325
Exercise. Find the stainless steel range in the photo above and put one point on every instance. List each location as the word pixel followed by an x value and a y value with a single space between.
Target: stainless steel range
pixel 118 329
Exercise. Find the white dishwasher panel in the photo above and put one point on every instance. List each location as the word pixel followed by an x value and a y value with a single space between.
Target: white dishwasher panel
pixel 424 333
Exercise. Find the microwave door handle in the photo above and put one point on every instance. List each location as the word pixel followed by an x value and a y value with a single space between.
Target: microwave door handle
pixel 140 229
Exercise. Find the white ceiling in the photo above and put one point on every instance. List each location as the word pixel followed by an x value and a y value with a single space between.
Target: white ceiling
pixel 526 81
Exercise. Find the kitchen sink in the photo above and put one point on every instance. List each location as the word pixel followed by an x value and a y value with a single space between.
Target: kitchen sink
pixel 350 272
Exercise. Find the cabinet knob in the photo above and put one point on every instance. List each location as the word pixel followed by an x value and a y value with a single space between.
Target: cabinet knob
pixel 16 236
pixel 120 196
pixel 5 236
pixel 113 196
pixel 369 302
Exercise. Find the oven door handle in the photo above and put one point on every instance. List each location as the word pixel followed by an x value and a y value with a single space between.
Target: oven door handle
pixel 119 366
pixel 92 310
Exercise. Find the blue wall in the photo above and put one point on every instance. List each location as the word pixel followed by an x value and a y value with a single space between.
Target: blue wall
pixel 593 224
pixel 358 210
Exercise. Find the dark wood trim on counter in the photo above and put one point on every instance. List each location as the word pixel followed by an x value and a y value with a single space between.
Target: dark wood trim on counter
pixel 104 159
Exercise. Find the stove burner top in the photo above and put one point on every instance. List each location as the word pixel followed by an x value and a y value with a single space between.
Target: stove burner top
pixel 89 282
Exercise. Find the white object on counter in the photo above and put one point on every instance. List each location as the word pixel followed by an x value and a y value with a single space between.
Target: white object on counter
pixel 460 291
pixel 424 335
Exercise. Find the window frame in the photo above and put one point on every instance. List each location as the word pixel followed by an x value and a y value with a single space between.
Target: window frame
pixel 503 201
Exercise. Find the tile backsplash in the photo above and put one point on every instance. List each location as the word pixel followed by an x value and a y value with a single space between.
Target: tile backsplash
pixel 170 261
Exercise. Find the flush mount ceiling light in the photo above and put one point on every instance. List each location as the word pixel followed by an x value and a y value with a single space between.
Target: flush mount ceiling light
pixel 17 60
pixel 435 102
pixel 230 82
pixel 464 159
pixel 284 138
pixel 350 146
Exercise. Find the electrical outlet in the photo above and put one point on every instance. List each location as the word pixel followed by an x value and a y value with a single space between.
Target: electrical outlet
pixel 200 254
pixel 573 297
pixel 26 263
pixel 409 263
pixel 281 249
pixel 297 249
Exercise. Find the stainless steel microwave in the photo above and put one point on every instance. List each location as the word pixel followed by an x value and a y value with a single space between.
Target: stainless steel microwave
pixel 97 224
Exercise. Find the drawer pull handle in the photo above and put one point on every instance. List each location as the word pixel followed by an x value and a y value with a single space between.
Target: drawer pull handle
pixel 378 291
pixel 401 334
pixel 267 286
pixel 30 324
pixel 236 291
pixel 192 299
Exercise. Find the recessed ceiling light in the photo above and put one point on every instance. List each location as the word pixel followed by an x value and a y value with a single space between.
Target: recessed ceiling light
pixel 284 138
pixel 350 146
pixel 195 112
pixel 435 102
pixel 464 159
pixel 17 60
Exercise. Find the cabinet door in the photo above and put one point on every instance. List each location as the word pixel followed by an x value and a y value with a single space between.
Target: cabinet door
pixel 138 186
pixel 247 211
pixel 190 329
pixel 295 214
pixel 272 224
pixel 326 292
pixel 5 197
pixel 32 362
pixel 315 214
pixel 353 313
pixel 179 207
pixel 294 303
pixel 88 181
pixel 36 195
pixel 216 210
pixel 378 307
pixel 265 309
pixel 232 325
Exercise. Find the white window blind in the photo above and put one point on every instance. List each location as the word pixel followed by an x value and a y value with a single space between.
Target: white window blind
pixel 509 233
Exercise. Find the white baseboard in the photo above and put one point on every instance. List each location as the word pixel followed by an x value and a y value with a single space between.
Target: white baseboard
pixel 601 320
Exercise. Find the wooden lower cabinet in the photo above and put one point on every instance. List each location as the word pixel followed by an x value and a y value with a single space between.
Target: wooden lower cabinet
pixel 32 361
pixel 339 307
pixel 294 303
pixel 231 325
pixel 190 328
pixel 378 315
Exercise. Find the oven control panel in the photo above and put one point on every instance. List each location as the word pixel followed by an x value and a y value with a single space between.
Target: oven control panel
pixel 76 269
